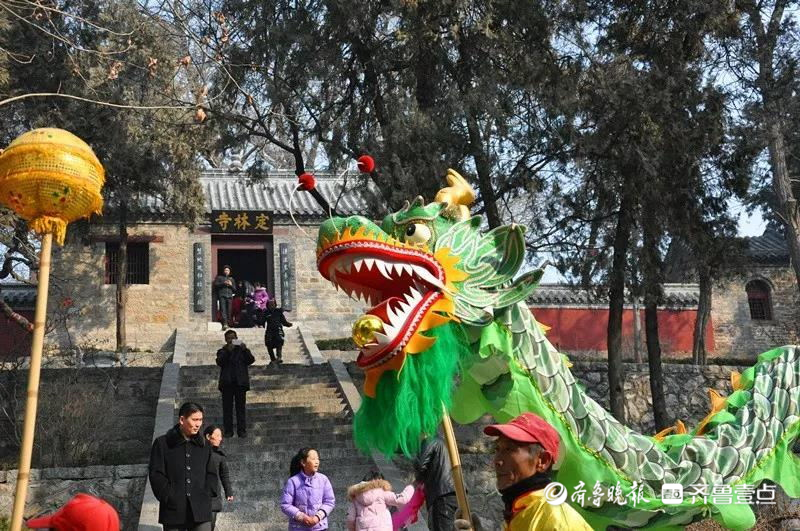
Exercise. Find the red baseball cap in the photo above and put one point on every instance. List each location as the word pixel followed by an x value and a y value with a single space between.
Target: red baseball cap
pixel 82 513
pixel 528 428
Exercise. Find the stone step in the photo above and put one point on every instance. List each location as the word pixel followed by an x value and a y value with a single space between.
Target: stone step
pixel 260 383
pixel 283 369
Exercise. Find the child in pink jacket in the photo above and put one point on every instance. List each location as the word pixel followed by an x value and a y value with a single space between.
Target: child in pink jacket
pixel 370 501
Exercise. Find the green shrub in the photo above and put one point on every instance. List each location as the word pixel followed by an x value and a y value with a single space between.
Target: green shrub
pixel 341 343
pixel 5 523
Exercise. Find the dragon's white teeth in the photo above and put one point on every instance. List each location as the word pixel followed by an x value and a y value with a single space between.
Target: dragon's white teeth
pixel 385 269
pixel 357 265
pixel 423 273
pixel 381 339
pixel 408 268
pixel 369 262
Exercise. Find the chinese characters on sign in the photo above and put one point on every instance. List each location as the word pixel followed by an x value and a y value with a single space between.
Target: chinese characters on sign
pixel 198 268
pixel 241 222
pixel 671 494
pixel 286 276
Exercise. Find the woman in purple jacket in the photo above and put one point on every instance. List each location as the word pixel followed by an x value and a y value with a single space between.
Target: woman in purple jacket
pixel 308 495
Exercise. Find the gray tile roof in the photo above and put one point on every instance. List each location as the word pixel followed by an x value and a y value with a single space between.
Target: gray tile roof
pixel 224 190
pixel 769 247
pixel 234 190
pixel 676 295
pixel 19 296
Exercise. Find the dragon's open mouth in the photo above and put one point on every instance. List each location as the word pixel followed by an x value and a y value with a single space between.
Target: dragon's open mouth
pixel 401 284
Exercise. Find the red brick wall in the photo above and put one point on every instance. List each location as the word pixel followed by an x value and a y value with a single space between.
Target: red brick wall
pixel 584 329
pixel 14 341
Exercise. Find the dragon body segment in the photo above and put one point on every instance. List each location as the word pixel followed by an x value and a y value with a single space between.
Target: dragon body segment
pixel 447 299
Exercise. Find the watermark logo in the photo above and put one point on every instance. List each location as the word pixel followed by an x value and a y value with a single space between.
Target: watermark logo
pixel 555 493
pixel 672 493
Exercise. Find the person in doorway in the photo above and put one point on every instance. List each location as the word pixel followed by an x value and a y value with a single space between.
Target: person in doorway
pixel 234 360
pixel 225 285
pixel 260 299
pixel 432 469
pixel 308 498
pixel 181 475
pixel 82 513
pixel 526 448
pixel 273 333
pixel 220 466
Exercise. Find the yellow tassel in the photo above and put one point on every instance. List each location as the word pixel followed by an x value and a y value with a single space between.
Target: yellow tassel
pixel 49 224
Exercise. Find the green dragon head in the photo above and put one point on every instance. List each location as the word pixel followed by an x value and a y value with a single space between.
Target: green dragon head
pixel 426 265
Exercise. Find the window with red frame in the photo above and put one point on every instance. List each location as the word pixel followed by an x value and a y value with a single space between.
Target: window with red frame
pixel 138 262
pixel 758 298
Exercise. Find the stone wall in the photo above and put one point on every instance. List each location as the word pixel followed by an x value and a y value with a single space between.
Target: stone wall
pixel 327 313
pixel 737 335
pixel 85 416
pixel 50 488
pixel 154 310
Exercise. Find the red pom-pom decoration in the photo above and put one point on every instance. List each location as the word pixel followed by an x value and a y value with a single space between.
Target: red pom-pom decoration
pixel 366 164
pixel 307 182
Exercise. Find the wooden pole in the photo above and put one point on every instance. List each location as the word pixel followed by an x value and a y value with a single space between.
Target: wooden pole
pixel 455 463
pixel 29 426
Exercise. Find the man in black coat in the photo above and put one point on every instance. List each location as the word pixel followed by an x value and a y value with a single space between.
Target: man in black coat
pixel 234 382
pixel 432 468
pixel 180 473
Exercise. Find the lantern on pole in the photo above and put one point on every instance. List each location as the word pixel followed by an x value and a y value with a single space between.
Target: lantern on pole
pixel 50 178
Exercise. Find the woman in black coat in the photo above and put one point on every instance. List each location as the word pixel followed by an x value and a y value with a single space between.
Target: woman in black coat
pixel 234 382
pixel 273 333
pixel 219 465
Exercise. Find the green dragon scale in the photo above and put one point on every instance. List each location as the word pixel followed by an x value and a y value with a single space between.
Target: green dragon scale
pixel 430 275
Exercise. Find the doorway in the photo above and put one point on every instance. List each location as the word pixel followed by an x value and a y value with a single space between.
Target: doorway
pixel 249 265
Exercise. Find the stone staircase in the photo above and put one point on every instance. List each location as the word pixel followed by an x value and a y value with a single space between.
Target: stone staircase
pixel 201 347
pixel 289 406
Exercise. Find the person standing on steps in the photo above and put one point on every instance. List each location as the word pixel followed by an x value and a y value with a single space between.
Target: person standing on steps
pixel 432 469
pixel 234 360
pixel 273 333
pixel 226 289
pixel 308 498
pixel 180 473
pixel 220 466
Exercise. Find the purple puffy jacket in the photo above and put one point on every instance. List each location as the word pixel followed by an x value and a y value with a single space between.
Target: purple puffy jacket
pixel 261 298
pixel 311 495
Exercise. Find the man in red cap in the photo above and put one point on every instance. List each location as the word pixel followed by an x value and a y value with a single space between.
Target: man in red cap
pixel 526 449
pixel 81 513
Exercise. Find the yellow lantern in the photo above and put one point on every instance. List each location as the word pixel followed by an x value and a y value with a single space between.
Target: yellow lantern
pixel 50 178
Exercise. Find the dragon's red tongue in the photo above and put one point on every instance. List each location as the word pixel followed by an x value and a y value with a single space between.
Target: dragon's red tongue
pixel 381 310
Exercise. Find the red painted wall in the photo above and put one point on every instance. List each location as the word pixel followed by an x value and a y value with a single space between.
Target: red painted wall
pixel 585 328
pixel 14 341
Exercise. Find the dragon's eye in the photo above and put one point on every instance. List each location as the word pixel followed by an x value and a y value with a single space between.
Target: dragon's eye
pixel 417 233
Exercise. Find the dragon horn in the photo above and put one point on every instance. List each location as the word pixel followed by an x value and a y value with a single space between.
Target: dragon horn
pixel 458 196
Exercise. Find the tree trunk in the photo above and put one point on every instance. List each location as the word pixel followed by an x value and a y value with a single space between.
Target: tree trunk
pixel 660 415
pixel 122 282
pixel 652 297
pixel 484 170
pixel 701 319
pixel 781 183
pixel 616 304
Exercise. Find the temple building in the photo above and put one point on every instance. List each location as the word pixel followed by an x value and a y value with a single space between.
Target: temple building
pixel 171 266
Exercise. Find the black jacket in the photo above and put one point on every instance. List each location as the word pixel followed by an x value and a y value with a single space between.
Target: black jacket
pixel 181 474
pixel 273 332
pixel 223 290
pixel 220 466
pixel 432 467
pixel 233 365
